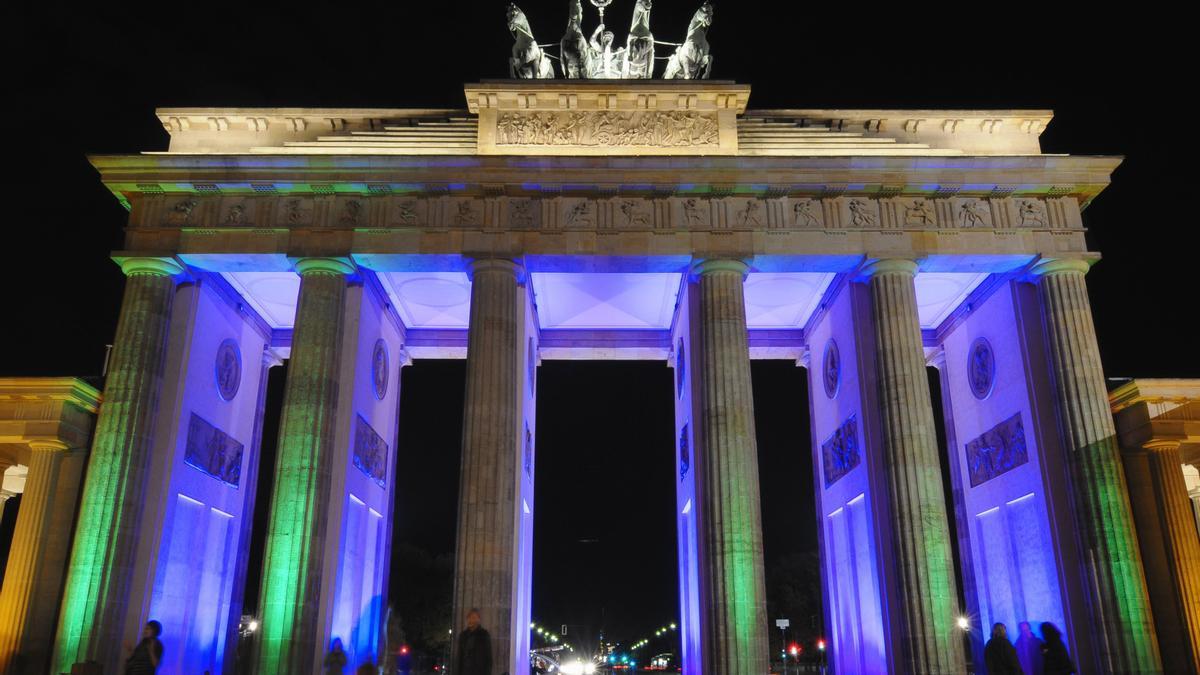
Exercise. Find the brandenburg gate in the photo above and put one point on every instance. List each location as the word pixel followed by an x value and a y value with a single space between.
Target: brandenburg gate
pixel 631 219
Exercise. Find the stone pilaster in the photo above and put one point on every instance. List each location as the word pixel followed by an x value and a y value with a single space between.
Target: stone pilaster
pixel 292 580
pixel 97 593
pixel 927 599
pixel 1112 566
pixel 734 595
pixel 1172 558
pixel 33 577
pixel 485 562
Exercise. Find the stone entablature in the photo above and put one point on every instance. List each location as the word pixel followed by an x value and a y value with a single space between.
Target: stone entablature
pixel 604 118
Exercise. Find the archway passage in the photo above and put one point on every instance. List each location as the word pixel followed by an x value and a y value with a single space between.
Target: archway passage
pixel 604 560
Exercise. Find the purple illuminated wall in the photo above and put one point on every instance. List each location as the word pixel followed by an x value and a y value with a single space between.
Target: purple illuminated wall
pixel 526 465
pixel 354 608
pixel 685 346
pixel 1015 531
pixel 846 506
pixel 188 562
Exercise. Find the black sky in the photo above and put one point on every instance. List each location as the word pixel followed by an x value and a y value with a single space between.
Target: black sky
pixel 88 81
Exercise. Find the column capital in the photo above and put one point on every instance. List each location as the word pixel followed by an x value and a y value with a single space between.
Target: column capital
pixel 711 265
pixel 1049 266
pixel 403 357
pixel 166 266
pixel 324 265
pixel 47 444
pixel 1162 444
pixel 889 266
pixel 515 267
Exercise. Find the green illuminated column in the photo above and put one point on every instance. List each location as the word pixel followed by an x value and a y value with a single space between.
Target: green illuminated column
pixel 1112 564
pixel 735 609
pixel 97 593
pixel 486 553
pixel 292 581
pixel 927 599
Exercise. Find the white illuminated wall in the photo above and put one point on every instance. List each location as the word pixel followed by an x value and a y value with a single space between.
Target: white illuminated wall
pixel 191 562
pixel 850 544
pixel 1009 538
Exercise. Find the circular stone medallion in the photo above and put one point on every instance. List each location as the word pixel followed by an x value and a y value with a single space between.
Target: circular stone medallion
pixel 228 369
pixel 831 368
pixel 680 364
pixel 981 368
pixel 379 368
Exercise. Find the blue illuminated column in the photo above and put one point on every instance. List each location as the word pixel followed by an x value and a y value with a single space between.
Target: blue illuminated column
pixel 490 561
pixel 927 599
pixel 733 616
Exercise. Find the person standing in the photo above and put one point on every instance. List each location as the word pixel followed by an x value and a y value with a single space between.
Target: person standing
pixel 335 660
pixel 1055 658
pixel 1029 650
pixel 147 655
pixel 474 648
pixel 999 655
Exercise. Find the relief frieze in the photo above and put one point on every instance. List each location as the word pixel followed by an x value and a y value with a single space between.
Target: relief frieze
pixel 608 129
pixel 704 213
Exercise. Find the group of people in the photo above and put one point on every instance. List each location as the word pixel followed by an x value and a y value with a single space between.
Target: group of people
pixel 1030 655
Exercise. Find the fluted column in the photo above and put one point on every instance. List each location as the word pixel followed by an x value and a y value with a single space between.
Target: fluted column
pixel 927 599
pixel 108 529
pixel 292 580
pixel 1112 565
pixel 33 576
pixel 731 527
pixel 1160 503
pixel 485 560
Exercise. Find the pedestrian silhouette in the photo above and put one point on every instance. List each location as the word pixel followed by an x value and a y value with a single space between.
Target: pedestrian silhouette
pixel 1029 650
pixel 474 648
pixel 147 655
pixel 335 660
pixel 1055 659
pixel 999 655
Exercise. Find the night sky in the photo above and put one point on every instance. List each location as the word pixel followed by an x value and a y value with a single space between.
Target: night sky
pixel 88 81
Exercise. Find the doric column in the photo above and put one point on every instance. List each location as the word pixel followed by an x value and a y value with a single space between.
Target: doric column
pixel 927 599
pixel 1164 498
pixel 292 579
pixel 108 529
pixel 34 575
pixel 1112 565
pixel 485 562
pixel 734 591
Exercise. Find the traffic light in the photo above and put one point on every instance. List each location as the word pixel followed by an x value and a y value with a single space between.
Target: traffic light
pixel 794 650
pixel 821 645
